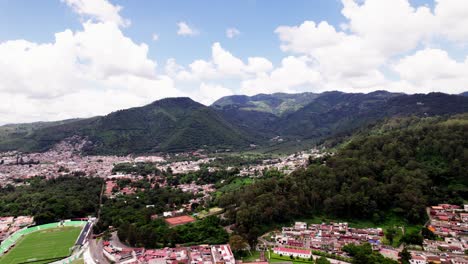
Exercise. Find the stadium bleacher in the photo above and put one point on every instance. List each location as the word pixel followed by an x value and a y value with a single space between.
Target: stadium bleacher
pixel 83 234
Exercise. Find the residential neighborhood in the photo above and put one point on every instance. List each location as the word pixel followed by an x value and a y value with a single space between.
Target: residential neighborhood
pixel 200 254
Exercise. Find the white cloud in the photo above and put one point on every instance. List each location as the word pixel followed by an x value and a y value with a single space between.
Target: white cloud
pixel 338 55
pixel 376 34
pixel 98 69
pixel 293 73
pixel 208 93
pixel 185 30
pixel 232 32
pixel 99 10
pixel 452 16
pixel 155 37
pixel 223 64
pixel 391 27
pixel 433 70
pixel 88 72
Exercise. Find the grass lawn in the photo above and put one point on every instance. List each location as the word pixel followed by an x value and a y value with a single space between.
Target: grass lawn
pixel 235 184
pixel 251 258
pixel 211 211
pixel 277 258
pixel 43 246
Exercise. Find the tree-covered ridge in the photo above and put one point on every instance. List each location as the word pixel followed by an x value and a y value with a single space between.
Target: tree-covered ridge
pixel 180 124
pixel 397 171
pixel 277 104
pixel 174 125
pixel 51 200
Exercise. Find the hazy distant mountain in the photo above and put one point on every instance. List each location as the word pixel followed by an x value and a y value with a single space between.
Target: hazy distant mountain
pixel 464 94
pixel 277 103
pixel 233 122
pixel 25 129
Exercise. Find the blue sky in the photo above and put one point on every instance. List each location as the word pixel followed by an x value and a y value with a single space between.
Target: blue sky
pixel 256 19
pixel 78 58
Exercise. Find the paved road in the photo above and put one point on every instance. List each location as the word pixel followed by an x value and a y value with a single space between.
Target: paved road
pixel 115 241
pixel 95 248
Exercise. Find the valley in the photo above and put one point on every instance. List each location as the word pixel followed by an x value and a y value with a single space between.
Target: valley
pixel 250 167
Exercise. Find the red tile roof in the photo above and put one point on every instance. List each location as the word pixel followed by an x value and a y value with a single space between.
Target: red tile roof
pixel 292 250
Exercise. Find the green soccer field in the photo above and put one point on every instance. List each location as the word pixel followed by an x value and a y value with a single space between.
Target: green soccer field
pixel 43 246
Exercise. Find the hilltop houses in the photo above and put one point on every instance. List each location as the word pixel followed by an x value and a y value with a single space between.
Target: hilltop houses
pixel 200 254
pixel 327 237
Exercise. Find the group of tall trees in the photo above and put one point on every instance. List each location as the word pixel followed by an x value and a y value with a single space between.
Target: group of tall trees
pixel 399 167
pixel 157 234
pixel 136 218
pixel 50 200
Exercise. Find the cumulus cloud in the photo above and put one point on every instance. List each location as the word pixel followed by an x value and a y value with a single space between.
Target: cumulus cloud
pixel 379 38
pixel 293 73
pixel 452 19
pixel 232 32
pixel 91 71
pixel 183 29
pixel 99 10
pixel 433 70
pixel 391 27
pixel 223 64
pixel 98 69
pixel 208 93
pixel 377 33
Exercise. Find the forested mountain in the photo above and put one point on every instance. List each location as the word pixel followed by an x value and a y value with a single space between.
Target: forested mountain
pixel 335 112
pixel 175 124
pixel 396 168
pixel 277 104
pixel 234 122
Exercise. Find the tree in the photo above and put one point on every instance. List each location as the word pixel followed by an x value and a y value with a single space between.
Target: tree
pixel 390 234
pixel 405 256
pixel 414 238
pixel 238 243
pixel 322 260
pixel 428 234
pixel 107 235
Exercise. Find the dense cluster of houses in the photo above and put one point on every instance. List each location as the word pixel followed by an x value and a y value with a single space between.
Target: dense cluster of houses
pixel 11 224
pixel 65 158
pixel 423 258
pixel 449 220
pixel 450 224
pixel 200 254
pixel 327 237
pixel 284 164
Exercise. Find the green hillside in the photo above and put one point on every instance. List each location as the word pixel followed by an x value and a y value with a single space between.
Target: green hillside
pixel 234 122
pixel 396 168
pixel 175 124
pixel 277 104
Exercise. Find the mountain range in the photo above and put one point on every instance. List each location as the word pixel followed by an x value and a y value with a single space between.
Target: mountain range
pixel 234 122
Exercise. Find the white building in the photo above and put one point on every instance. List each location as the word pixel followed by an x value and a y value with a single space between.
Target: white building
pixel 418 259
pixel 301 253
